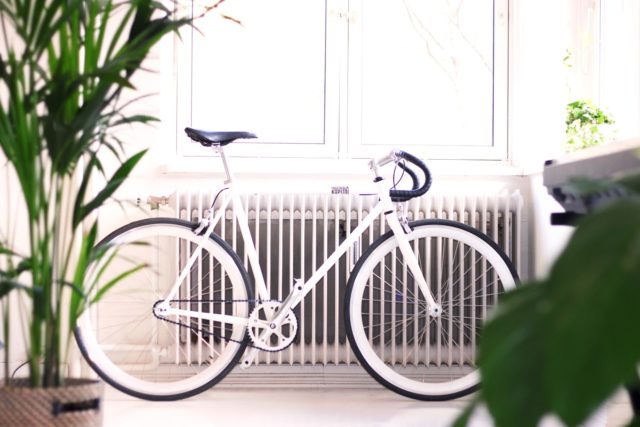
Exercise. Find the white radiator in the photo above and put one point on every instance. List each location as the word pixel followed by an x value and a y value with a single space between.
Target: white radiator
pixel 294 233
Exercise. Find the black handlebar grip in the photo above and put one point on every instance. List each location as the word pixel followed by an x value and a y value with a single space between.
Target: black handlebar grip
pixel 412 174
pixel 404 195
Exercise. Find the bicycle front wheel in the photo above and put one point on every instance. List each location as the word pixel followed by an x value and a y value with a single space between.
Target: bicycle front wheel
pixel 173 357
pixel 388 324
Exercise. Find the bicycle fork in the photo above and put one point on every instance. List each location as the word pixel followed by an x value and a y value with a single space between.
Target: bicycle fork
pixel 434 309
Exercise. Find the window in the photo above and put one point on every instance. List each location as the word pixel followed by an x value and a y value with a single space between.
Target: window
pixel 605 60
pixel 315 79
pixel 620 64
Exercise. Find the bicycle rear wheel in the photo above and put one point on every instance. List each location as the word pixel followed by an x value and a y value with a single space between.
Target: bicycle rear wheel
pixel 173 358
pixel 386 315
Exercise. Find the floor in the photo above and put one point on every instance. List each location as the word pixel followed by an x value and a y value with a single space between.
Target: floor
pixel 284 407
pixel 309 406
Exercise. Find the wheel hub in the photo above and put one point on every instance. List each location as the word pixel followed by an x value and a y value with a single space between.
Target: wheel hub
pixel 435 311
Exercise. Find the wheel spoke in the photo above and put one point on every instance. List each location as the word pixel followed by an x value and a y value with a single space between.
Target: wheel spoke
pixel 412 352
pixel 145 355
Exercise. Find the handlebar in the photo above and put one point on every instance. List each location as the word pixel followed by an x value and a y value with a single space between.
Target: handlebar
pixel 417 190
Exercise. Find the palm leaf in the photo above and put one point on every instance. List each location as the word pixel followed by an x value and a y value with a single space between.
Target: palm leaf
pixel 140 118
pixel 6 251
pixel 111 283
pixel 114 183
pixel 7 285
pixel 62 76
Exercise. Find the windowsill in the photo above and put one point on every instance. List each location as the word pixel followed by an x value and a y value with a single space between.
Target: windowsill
pixel 309 168
pixel 320 176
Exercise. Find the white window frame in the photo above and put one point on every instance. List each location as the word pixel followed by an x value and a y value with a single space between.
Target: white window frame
pixel 339 143
pixel 327 148
pixel 618 74
pixel 498 150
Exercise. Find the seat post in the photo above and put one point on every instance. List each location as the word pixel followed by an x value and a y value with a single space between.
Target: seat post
pixel 220 151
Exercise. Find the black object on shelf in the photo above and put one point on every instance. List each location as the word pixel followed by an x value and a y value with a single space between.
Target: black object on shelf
pixel 609 161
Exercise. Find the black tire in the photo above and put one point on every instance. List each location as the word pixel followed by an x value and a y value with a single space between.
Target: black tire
pixel 104 366
pixel 368 303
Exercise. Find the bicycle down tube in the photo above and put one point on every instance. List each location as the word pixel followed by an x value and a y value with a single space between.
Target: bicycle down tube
pixel 299 290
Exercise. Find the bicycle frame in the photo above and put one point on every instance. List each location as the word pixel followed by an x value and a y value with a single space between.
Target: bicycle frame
pixel 300 289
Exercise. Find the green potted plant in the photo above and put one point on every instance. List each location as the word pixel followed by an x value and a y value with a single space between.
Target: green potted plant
pixel 586 125
pixel 563 345
pixel 65 69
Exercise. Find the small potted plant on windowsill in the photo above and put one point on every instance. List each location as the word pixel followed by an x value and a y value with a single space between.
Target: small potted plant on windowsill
pixel 586 125
pixel 64 67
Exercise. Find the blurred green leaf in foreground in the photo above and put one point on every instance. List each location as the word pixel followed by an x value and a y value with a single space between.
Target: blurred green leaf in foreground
pixel 565 344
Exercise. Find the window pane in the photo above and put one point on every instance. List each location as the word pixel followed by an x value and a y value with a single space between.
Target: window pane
pixel 266 75
pixel 620 65
pixel 426 72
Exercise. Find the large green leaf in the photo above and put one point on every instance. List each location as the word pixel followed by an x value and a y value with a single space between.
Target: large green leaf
pixel 464 418
pixel 513 350
pixel 564 345
pixel 635 422
pixel 631 182
pixel 598 278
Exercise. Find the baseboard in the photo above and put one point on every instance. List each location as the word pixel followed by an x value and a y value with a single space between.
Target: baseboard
pixel 297 376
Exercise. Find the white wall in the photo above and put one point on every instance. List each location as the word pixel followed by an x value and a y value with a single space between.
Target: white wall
pixel 541 34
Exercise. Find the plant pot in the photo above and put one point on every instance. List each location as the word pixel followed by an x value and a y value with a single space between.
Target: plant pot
pixel 77 403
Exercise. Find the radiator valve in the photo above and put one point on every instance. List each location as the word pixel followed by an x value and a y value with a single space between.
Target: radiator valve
pixel 155 202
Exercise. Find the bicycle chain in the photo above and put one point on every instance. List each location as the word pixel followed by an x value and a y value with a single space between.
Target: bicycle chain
pixel 213 334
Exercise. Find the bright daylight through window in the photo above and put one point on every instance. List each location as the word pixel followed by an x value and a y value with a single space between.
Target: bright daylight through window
pixel 349 79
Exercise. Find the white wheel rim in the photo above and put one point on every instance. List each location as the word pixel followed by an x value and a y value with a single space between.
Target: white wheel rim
pixel 131 382
pixel 356 315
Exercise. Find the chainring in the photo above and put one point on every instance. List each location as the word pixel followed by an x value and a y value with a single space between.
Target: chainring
pixel 263 335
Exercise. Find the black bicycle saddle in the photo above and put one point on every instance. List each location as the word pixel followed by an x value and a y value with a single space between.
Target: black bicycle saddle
pixel 208 138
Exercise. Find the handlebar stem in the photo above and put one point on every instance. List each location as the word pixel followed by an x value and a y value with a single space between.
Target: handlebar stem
pixel 379 162
pixel 396 156
pixel 374 164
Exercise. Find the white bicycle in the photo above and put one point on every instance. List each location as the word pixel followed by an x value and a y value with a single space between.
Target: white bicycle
pixel 180 324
